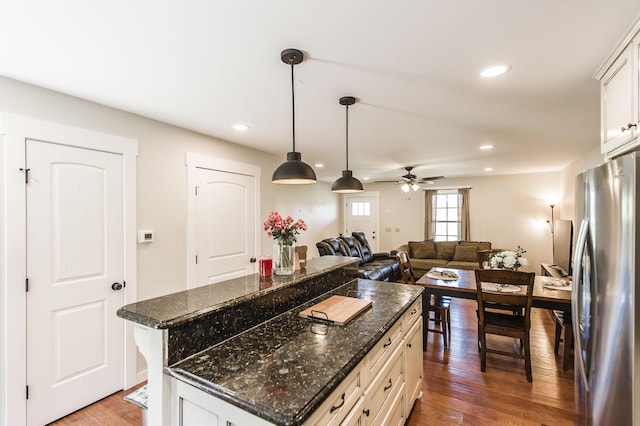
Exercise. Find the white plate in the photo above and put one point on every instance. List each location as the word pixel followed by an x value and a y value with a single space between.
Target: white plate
pixel 443 275
pixel 501 288
pixel 556 284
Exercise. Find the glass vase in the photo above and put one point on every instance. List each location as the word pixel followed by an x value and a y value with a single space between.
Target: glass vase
pixel 284 258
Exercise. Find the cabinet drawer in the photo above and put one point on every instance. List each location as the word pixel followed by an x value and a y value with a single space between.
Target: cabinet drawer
pixel 339 403
pixel 381 351
pixel 395 413
pixel 387 383
pixel 413 314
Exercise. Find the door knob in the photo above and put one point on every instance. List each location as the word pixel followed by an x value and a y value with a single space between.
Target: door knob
pixel 252 260
pixel 116 286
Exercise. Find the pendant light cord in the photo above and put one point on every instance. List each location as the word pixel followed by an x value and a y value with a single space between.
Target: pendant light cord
pixel 293 107
pixel 347 137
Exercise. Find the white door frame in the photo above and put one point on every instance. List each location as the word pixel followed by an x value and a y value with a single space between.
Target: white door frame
pixel 193 161
pixel 14 130
pixel 373 194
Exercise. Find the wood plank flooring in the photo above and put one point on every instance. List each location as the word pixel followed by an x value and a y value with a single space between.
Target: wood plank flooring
pixel 455 390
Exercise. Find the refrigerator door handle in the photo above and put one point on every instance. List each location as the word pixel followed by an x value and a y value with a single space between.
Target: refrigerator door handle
pixel 581 245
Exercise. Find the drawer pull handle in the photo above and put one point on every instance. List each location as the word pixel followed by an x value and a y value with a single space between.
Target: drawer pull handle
pixel 415 311
pixel 386 345
pixel 386 388
pixel 335 407
pixel 366 412
pixel 408 345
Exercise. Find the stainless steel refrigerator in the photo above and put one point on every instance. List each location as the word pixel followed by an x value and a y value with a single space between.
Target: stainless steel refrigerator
pixel 606 296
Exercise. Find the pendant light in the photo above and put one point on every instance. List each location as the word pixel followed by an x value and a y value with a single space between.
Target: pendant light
pixel 293 171
pixel 347 183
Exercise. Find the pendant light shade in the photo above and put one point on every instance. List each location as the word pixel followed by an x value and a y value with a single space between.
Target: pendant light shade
pixel 293 171
pixel 347 183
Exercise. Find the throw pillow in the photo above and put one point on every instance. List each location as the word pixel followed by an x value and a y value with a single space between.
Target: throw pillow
pixel 481 245
pixel 445 249
pixel 466 253
pixel 422 250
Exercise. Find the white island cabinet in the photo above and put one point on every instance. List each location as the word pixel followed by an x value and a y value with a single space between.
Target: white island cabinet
pixel 380 390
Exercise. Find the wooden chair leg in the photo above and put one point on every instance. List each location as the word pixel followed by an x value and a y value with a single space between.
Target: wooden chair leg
pixel 527 358
pixel 566 350
pixel 556 344
pixel 443 325
pixel 483 352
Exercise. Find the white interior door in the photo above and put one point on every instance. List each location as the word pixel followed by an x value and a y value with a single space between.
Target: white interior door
pixel 361 214
pixel 226 225
pixel 75 231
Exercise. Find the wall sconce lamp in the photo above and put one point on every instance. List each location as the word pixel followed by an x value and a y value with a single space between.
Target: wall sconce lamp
pixel 553 241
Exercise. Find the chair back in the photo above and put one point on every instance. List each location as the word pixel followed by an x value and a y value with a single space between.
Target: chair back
pixel 352 245
pixel 301 251
pixel 484 255
pixel 365 248
pixel 331 247
pixel 406 271
pixel 489 294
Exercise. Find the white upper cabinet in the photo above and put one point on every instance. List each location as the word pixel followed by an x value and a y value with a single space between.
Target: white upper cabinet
pixel 620 100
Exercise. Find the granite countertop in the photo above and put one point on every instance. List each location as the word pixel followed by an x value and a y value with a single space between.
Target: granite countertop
pixel 177 308
pixel 283 369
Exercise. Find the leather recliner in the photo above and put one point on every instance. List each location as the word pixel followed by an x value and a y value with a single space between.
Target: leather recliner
pixel 372 266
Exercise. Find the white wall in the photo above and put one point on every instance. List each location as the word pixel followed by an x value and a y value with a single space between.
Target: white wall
pixel 161 180
pixel 508 210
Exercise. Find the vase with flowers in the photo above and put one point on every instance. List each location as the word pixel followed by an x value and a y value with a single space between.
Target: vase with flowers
pixel 508 259
pixel 284 231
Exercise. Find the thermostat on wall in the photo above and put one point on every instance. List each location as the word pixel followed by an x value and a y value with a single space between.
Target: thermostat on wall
pixel 145 236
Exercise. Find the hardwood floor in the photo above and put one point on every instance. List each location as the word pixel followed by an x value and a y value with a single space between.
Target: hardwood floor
pixel 455 390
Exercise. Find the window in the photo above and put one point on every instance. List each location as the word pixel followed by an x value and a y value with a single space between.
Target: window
pixel 446 215
pixel 361 208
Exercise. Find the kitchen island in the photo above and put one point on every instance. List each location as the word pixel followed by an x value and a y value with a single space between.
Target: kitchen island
pixel 268 365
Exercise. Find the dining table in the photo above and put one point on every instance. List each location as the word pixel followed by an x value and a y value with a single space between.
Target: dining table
pixel 545 296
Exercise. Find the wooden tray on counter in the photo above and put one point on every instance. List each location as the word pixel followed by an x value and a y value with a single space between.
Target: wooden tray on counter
pixel 337 309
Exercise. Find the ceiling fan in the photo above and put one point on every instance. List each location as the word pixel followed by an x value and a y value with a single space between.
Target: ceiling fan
pixel 410 181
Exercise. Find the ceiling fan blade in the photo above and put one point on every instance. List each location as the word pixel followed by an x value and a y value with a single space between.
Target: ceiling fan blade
pixel 429 179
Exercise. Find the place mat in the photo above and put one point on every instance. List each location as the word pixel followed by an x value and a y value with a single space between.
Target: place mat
pixel 443 275
pixel 500 288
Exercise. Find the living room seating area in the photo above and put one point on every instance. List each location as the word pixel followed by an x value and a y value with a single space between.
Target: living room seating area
pixel 379 266
pixel 427 254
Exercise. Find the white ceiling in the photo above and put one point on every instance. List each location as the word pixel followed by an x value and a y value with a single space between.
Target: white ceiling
pixel 412 64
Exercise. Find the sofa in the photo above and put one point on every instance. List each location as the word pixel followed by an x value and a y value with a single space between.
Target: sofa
pixel 427 254
pixel 373 266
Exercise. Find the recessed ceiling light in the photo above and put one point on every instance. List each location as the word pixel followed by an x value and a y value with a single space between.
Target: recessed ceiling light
pixel 488 169
pixel 240 127
pixel 494 70
pixel 319 165
pixel 485 147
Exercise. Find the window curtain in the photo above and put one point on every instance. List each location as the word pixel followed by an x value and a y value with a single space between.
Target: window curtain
pixel 429 222
pixel 465 227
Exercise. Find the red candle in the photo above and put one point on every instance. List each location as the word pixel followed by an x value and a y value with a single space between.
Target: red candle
pixel 266 266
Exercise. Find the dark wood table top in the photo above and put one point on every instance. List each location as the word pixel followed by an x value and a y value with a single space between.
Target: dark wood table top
pixel 465 288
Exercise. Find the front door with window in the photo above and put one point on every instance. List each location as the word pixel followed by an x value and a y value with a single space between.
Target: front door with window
pixel 361 214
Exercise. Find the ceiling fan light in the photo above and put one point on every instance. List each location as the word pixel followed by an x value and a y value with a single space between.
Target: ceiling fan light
pixel 347 184
pixel 294 171
pixel 415 186
pixel 405 187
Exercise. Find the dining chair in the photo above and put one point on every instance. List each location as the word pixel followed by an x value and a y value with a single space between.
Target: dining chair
pixel 440 306
pixel 506 288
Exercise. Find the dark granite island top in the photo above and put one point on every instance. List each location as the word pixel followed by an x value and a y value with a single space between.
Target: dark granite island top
pixel 283 369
